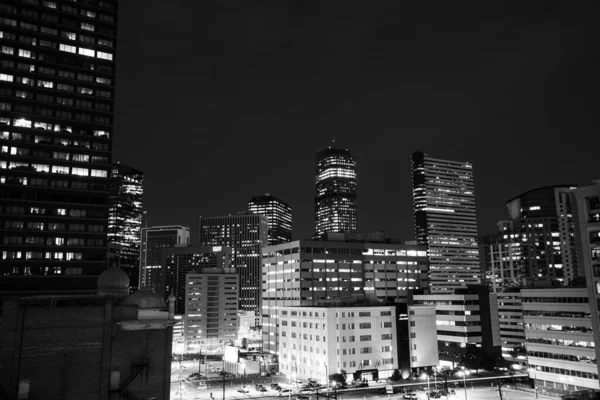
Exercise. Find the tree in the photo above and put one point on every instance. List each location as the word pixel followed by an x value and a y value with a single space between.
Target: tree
pixel 340 379
pixel 396 376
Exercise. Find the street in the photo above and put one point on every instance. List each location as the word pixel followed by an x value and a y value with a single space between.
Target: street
pixel 215 389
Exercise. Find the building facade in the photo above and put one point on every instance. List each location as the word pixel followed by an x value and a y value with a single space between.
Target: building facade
pixel 245 234
pixel 210 317
pixel 467 323
pixel 500 261
pixel 446 220
pixel 125 220
pixel 155 240
pixel 560 340
pixel 279 217
pixel 57 84
pixel 336 192
pixel 178 262
pixel 587 219
pixel 100 346
pixel 326 273
pixel 512 330
pixel 422 337
pixel 319 341
pixel 542 224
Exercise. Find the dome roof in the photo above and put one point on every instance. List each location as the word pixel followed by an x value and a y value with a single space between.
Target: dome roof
pixel 113 281
pixel 144 299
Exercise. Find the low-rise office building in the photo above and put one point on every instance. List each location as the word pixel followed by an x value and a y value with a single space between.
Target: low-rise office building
pixel 560 341
pixel 316 342
pixel 467 321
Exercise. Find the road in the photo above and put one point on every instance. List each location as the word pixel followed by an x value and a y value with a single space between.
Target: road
pixel 190 391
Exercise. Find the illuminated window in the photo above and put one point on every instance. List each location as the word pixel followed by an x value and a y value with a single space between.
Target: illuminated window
pixel 86 52
pixel 80 171
pixel 104 56
pixel 87 27
pixel 67 48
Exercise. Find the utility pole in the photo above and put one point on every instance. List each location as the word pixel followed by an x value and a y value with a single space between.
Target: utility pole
pixel 223 373
pixel 499 387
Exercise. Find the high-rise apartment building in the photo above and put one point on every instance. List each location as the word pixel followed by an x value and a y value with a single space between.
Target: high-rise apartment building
pixel 333 272
pixel 587 219
pixel 279 217
pixel 446 220
pixel 512 330
pixel 155 240
pixel 57 85
pixel 335 200
pixel 542 224
pixel 245 234
pixel 125 220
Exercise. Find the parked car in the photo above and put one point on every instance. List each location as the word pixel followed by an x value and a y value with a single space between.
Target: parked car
pixel 243 390
pixel 285 392
pixel 275 386
pixel 446 393
pixel 409 395
pixel 362 384
pixel 434 395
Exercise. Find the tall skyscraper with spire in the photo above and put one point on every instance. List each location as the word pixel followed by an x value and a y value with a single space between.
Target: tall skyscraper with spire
pixel 57 86
pixel 446 220
pixel 279 217
pixel 336 184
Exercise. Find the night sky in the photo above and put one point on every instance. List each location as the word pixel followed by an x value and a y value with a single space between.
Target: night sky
pixel 219 101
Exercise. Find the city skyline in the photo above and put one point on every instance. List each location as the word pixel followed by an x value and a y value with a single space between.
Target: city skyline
pixel 512 91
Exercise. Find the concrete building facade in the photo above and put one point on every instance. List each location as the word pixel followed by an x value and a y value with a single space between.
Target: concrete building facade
pixel 316 342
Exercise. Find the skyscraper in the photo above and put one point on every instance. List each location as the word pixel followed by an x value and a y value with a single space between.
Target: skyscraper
pixel 335 200
pixel 155 240
pixel 246 234
pixel 542 224
pixel 445 220
pixel 279 217
pixel 57 83
pixel 125 220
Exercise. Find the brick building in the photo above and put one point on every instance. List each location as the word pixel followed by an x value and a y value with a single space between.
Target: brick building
pixel 87 347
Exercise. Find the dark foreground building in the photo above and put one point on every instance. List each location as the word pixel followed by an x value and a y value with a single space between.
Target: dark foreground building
pixel 104 346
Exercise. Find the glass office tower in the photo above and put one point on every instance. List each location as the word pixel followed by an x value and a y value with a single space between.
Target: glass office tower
pixel 446 221
pixel 125 220
pixel 336 200
pixel 279 217
pixel 57 85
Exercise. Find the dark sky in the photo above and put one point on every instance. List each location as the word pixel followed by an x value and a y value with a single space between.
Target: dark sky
pixel 218 101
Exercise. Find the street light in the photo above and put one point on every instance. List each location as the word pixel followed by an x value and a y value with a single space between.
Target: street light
pixel 464 374
pixel 534 371
pixel 423 375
